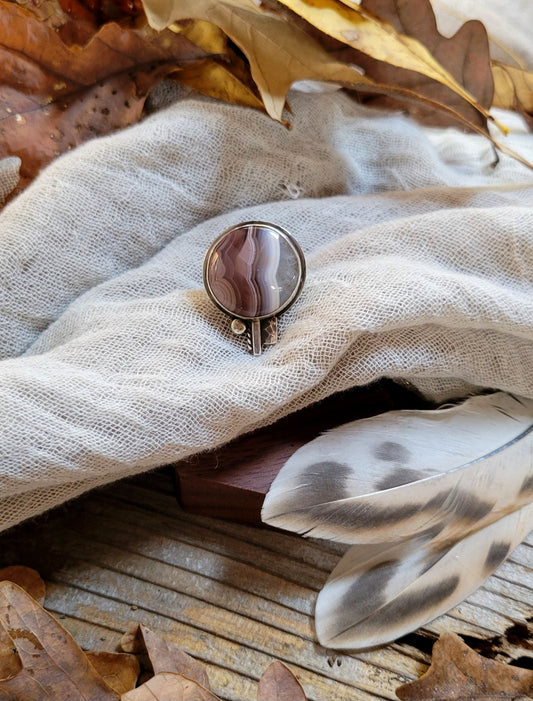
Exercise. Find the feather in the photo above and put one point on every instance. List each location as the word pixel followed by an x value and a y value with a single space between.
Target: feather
pixel 418 494
pixel 447 471
pixel 372 601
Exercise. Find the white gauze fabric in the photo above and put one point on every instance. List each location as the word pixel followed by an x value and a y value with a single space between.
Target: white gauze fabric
pixel 419 250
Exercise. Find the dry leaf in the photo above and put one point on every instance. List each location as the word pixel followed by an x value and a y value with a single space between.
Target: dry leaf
pixel 77 21
pixel 164 656
pixel 228 78
pixel 279 52
pixel 403 35
pixel 465 55
pixel 119 670
pixel 513 90
pixel 53 666
pixel 27 578
pixel 222 82
pixel 458 673
pixel 278 683
pixel 10 662
pixel 70 94
pixel 167 686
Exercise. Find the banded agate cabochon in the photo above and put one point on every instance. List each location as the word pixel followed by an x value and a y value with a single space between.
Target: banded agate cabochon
pixel 254 270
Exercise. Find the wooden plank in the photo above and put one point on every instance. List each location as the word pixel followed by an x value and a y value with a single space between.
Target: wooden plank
pixel 231 482
pixel 234 596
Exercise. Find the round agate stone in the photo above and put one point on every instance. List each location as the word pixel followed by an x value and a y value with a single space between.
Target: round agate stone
pixel 254 270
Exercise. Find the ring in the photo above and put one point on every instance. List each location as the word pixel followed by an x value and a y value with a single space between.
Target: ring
pixel 253 272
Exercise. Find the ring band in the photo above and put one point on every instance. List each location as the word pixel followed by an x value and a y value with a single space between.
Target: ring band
pixel 253 272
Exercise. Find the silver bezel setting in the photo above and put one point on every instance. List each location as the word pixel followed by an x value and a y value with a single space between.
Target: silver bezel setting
pixel 293 244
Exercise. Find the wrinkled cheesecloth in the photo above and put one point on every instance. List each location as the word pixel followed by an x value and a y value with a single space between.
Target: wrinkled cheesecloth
pixel 419 249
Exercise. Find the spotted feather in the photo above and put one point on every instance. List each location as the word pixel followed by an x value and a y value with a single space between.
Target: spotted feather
pixel 418 494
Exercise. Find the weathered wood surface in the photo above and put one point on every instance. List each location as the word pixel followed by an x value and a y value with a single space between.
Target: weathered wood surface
pixel 234 596
pixel 232 482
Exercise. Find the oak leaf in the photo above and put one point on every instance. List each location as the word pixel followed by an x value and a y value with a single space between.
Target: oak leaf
pixel 278 683
pixel 457 673
pixel 279 52
pixel 397 43
pixel 54 97
pixel 466 56
pixel 226 77
pixel 51 664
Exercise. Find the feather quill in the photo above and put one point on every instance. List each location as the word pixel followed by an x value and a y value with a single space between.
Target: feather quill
pixel 431 501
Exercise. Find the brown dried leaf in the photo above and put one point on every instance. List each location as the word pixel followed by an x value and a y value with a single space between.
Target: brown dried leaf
pixel 119 670
pixel 466 56
pixel 27 578
pixel 71 25
pixel 53 666
pixel 397 43
pixel 54 97
pixel 167 686
pixel 457 673
pixel 77 20
pixel 164 656
pixel 279 52
pixel 10 662
pixel 278 683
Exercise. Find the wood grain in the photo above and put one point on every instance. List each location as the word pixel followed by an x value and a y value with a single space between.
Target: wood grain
pixel 232 482
pixel 236 597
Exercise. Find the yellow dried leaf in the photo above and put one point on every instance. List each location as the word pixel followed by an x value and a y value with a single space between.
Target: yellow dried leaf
pixel 372 36
pixel 205 35
pixel 512 87
pixel 221 82
pixel 279 52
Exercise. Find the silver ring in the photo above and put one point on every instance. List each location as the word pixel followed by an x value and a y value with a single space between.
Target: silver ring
pixel 253 272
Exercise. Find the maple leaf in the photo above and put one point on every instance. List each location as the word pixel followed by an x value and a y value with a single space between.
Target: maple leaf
pixel 54 96
pixel 457 673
